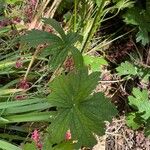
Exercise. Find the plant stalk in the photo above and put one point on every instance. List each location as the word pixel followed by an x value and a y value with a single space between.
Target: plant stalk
pixel 94 23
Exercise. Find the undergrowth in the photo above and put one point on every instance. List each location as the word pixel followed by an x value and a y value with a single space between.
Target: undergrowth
pixel 53 55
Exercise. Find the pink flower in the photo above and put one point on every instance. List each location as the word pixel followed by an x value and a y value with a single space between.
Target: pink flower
pixel 36 138
pixel 20 97
pixel 24 84
pixel 68 135
pixel 19 63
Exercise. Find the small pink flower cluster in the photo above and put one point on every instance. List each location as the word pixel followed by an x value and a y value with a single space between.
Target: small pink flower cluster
pixel 36 138
pixel 23 84
pixel 6 22
pixel 69 64
pixel 20 97
pixel 19 63
pixel 68 135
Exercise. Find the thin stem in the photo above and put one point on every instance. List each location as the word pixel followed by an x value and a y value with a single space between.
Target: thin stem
pixel 93 26
pixel 99 47
pixel 111 16
pixel 31 62
pixel 111 81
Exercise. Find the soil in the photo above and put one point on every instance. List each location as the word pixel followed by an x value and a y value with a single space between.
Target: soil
pixel 119 137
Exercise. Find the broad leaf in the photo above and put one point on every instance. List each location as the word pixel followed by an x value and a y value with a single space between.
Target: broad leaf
pixel 84 114
pixel 127 68
pixel 55 25
pixel 142 36
pixel 140 18
pixel 140 101
pixel 131 70
pixel 94 63
pixel 59 47
pixel 134 120
pixel 60 51
pixel 36 37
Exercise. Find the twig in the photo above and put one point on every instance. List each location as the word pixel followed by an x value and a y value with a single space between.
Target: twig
pixel 111 81
pixel 31 62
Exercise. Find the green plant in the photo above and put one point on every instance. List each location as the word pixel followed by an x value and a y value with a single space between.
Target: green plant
pixel 91 14
pixel 70 102
pixel 60 45
pixel 84 114
pixel 71 93
pixel 140 18
pixel 139 101
pixel 130 70
pixel 94 63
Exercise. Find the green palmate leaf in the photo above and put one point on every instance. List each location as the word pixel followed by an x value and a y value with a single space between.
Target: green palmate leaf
pixel 140 101
pixel 127 68
pixel 140 18
pixel 142 36
pixel 131 16
pixel 60 51
pixel 36 37
pixel 84 114
pixel 131 70
pixel 58 47
pixel 134 120
pixel 56 26
pixel 95 63
pixel 8 146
